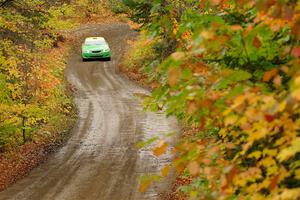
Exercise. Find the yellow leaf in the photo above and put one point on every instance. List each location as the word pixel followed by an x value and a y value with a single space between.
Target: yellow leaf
pixel 296 94
pixel 240 181
pixel 265 184
pixel 290 194
pixel 145 185
pixel 238 101
pixel 255 154
pixel 226 112
pixel 165 170
pixel 282 106
pixel 252 188
pixel 287 153
pixel 297 174
pixel 207 34
pixel 258 134
pixel 297 81
pixel 231 120
pixel 270 152
pixel 271 170
pixel 258 196
pixel 267 162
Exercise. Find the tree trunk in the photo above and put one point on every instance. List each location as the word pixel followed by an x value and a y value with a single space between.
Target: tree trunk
pixel 23 129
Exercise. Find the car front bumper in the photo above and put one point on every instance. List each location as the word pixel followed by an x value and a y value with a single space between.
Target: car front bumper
pixel 96 55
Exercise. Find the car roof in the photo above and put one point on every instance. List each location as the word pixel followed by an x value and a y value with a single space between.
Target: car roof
pixel 95 39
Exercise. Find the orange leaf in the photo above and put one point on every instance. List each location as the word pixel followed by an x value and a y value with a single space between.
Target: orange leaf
pixel 180 168
pixel 296 51
pixel 231 174
pixel 206 161
pixel 277 81
pixel 274 182
pixel 160 148
pixel 270 74
pixel 215 2
pixel 193 168
pixel 236 27
pixel 145 185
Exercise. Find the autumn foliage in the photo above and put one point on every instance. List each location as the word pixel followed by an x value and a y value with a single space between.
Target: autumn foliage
pixel 33 93
pixel 230 71
pixel 34 47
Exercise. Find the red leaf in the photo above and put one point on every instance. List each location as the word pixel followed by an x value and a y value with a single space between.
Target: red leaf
pixel 270 118
pixel 274 182
pixel 256 42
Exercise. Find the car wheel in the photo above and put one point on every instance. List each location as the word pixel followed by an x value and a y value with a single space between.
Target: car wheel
pixel 108 59
pixel 83 60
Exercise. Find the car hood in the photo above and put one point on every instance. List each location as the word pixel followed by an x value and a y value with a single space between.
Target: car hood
pixel 94 47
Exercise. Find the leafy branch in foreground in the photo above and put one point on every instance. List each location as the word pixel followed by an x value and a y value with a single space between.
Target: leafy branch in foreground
pixel 234 75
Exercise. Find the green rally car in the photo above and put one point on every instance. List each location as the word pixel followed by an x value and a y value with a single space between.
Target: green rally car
pixel 95 47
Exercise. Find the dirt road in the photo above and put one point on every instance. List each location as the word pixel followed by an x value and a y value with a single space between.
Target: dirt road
pixel 100 161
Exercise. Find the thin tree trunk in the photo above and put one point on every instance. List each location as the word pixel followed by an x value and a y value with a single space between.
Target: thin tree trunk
pixel 23 129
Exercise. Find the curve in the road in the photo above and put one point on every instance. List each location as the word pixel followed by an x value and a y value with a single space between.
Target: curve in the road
pixel 100 161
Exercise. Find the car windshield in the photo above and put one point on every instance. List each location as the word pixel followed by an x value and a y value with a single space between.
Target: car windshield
pixel 95 42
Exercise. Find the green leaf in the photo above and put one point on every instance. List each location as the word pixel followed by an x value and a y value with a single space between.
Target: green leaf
pixel 236 76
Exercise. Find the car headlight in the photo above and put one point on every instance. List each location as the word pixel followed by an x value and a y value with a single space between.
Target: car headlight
pixel 86 51
pixel 106 50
